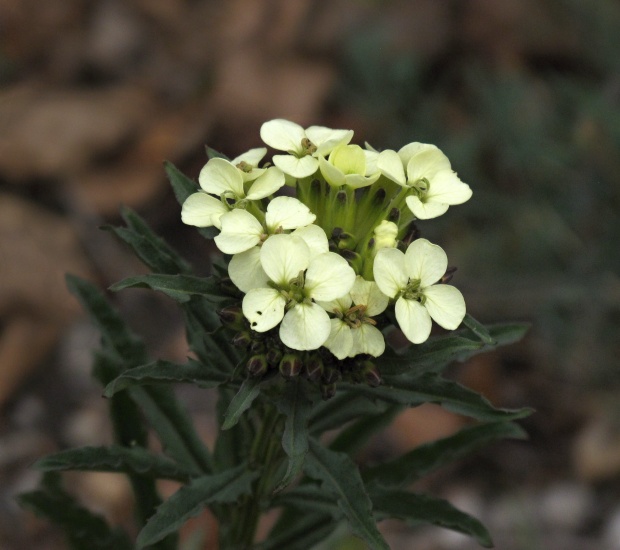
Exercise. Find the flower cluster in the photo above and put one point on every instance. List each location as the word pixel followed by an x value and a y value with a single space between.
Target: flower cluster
pixel 324 271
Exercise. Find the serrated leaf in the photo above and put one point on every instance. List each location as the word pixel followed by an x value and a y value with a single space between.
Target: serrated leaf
pixel 308 497
pixel 301 533
pixel 114 459
pixel 345 406
pixel 160 371
pixel 190 499
pixel 478 329
pixel 241 402
pixel 178 287
pixel 416 508
pixel 296 407
pixel 340 477
pixel 408 468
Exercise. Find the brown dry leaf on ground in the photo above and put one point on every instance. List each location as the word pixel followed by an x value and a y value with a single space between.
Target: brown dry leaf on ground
pixel 37 248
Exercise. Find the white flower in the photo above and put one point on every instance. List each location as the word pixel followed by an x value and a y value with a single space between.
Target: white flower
pixel 410 278
pixel 347 166
pixel 426 172
pixel 352 330
pixel 296 281
pixel 303 146
pixel 247 163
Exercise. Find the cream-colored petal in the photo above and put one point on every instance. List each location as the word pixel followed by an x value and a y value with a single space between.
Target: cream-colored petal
pixel 341 304
pixel 326 139
pixel 251 157
pixel 447 188
pixel 427 161
pixel 425 210
pixel 263 308
pixel 371 161
pixel 355 181
pixel 283 135
pixel 390 165
pixel 389 271
pixel 283 257
pixel 367 339
pixel 426 262
pixel 220 176
pixel 240 232
pixel 332 175
pixel 340 340
pixel 288 213
pixel 202 210
pixel 349 159
pixel 245 270
pixel 407 151
pixel 296 167
pixel 367 293
pixel 329 277
pixel 446 305
pixel 315 239
pixel 413 319
pixel 267 184
pixel 305 327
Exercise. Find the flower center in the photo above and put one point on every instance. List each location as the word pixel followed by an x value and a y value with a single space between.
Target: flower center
pixel 413 291
pixel 295 294
pixel 307 147
pixel 245 167
pixel 421 187
pixel 356 316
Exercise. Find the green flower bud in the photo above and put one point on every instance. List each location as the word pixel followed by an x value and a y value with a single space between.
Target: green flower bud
pixel 257 365
pixel 290 365
pixel 331 375
pixel 274 356
pixel 314 368
pixel 257 346
pixel 370 374
pixel 242 339
pixel 232 317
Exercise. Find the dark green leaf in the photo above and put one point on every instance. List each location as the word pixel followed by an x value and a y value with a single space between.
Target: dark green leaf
pixel 188 501
pixel 478 329
pixel 416 508
pixel 213 154
pixel 309 497
pixel 165 371
pixel 179 287
pixel 342 408
pixel 301 533
pixel 114 459
pixel 409 467
pixel 296 407
pixel 241 402
pixel 341 478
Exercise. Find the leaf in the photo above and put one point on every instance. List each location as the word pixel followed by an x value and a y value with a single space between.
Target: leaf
pixel 296 407
pixel 179 287
pixel 301 533
pixel 165 371
pixel 241 402
pixel 114 459
pixel 190 499
pixel 416 508
pixel 212 154
pixel 309 497
pixel 83 529
pixel 478 329
pixel 345 406
pixel 408 468
pixel 341 478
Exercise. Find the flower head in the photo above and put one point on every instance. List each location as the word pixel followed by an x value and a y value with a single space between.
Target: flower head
pixel 411 278
pixel 347 165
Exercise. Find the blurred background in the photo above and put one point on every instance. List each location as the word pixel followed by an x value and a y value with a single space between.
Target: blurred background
pixel 522 95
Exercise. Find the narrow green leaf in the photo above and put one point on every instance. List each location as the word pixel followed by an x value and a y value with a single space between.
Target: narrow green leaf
pixel 408 468
pixel 302 532
pixel 84 530
pixel 478 329
pixel 213 154
pixel 114 459
pixel 345 406
pixel 241 402
pixel 308 497
pixel 296 407
pixel 179 287
pixel 190 499
pixel 340 477
pixel 416 508
pixel 160 371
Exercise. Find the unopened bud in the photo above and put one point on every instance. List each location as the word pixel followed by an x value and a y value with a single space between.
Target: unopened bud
pixel 274 355
pixel 257 346
pixel 257 365
pixel 336 232
pixel 346 240
pixel 394 215
pixel 370 374
pixel 242 339
pixel 232 317
pixel 341 197
pixel 328 391
pixel 331 375
pixel 412 234
pixel 314 368
pixel 448 275
pixel 385 235
pixel 350 255
pixel 290 365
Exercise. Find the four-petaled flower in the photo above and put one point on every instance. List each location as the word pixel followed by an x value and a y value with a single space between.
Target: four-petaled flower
pixel 304 147
pixel 347 165
pixel 426 172
pixel 297 279
pixel 411 278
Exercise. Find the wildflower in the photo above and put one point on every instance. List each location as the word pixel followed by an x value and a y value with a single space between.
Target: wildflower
pixel 296 281
pixel 411 278
pixel 304 147
pixel 247 163
pixel 425 171
pixel 347 166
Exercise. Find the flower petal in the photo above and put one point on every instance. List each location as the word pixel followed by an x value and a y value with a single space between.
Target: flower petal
pixel 263 308
pixel 296 167
pixel 425 210
pixel 288 213
pixel 283 135
pixel 407 151
pixel 326 139
pixel 341 304
pixel 447 188
pixel 329 276
pixel 332 175
pixel 219 176
pixel 315 239
pixel 251 157
pixel 389 271
pixel 240 232
pixel 283 257
pixel 340 340
pixel 367 339
pixel 426 262
pixel 413 319
pixel 446 305
pixel 349 159
pixel 367 293
pixel 390 165
pixel 267 184
pixel 305 327
pixel 426 162
pixel 245 270
pixel 355 181
pixel 202 210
